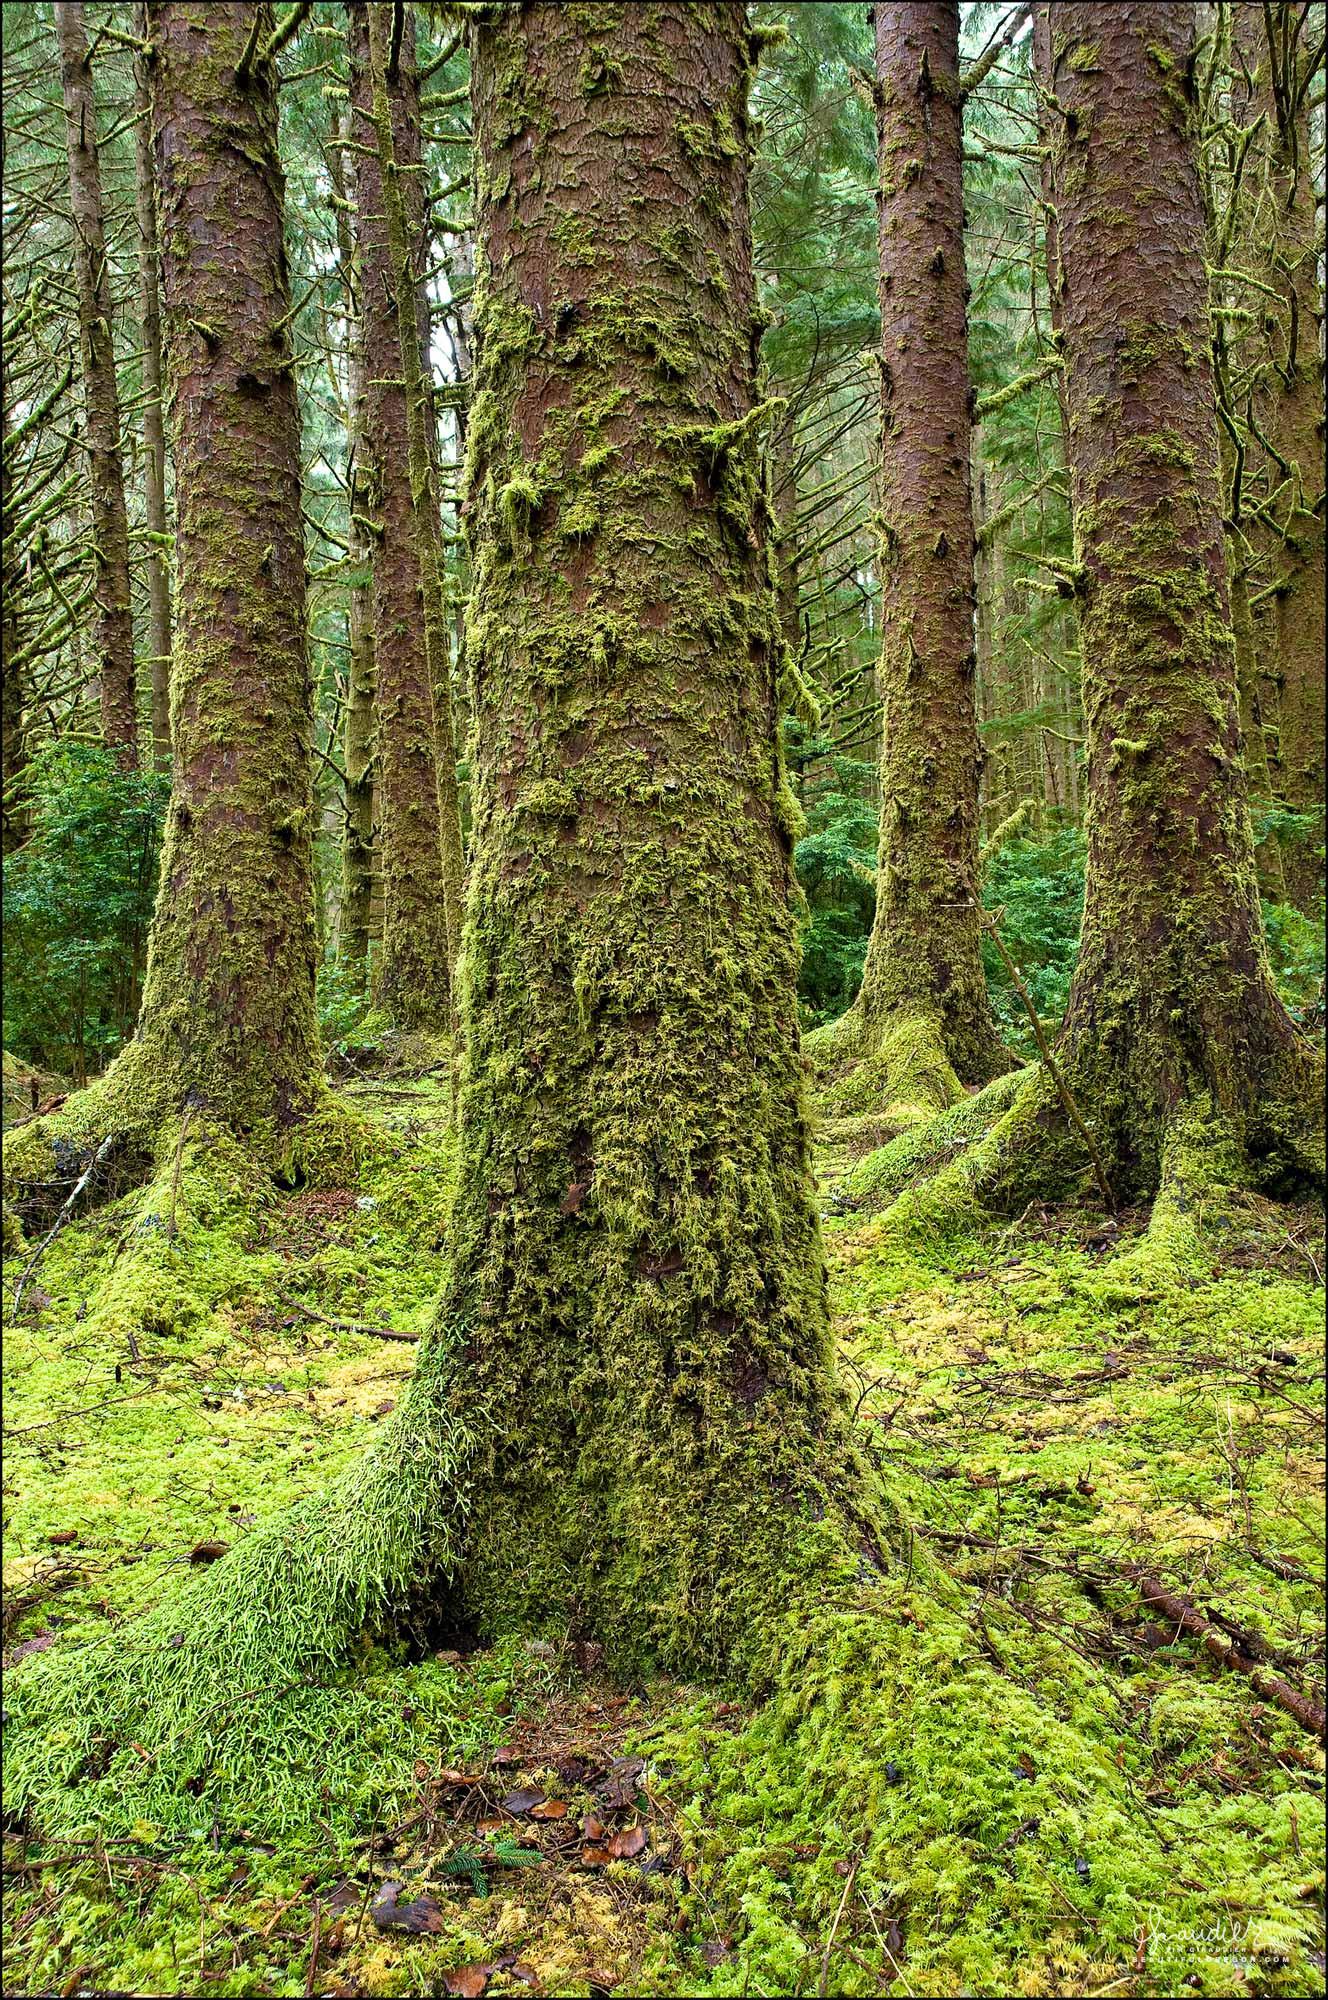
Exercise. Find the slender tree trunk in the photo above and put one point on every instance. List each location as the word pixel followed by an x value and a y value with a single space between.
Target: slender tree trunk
pixel 1172 1004
pixel 923 978
pixel 1292 406
pixel 228 1020
pixel 638 1275
pixel 114 636
pixel 357 746
pixel 395 126
pixel 412 979
pixel 154 429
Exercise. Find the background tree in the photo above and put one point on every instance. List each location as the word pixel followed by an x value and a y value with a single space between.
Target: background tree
pixel 114 635
pixel 923 1007
pixel 413 975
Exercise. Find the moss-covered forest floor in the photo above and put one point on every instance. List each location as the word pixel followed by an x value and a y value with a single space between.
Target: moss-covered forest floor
pixel 1125 1815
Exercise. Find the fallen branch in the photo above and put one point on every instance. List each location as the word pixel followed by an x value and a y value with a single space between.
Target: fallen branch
pixel 1053 1069
pixel 349 1325
pixel 62 1218
pixel 1226 1652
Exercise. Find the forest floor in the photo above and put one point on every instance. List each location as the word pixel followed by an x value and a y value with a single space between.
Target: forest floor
pixel 1131 1816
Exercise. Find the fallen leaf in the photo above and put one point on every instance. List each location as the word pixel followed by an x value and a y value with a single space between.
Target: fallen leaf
pixel 551 1809
pixel 618 1790
pixel 460 1778
pixel 593 1827
pixel 626 1845
pixel 490 1825
pixel 37 1644
pixel 421 1770
pixel 423 1915
pixel 208 1552
pixel 595 1857
pixel 523 1800
pixel 469 1981
pixel 63 1537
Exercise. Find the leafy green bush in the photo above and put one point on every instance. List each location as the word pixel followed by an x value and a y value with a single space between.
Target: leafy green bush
pixel 836 865
pixel 1039 884
pixel 78 899
pixel 1295 945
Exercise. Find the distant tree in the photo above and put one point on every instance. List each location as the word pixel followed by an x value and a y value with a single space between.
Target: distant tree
pixel 113 639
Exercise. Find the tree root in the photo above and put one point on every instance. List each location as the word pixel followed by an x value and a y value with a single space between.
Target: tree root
pixel 902 1072
pixel 232 1683
pixel 924 1150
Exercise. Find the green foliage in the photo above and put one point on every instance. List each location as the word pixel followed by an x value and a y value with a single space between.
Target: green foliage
pixel 1295 945
pixel 78 899
pixel 836 861
pixel 1039 884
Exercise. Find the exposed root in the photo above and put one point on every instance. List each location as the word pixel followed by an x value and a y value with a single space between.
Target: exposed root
pixel 925 1150
pixel 238 1677
pixel 901 1072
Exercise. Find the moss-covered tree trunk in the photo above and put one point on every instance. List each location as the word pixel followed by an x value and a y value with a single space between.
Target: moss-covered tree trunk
pixel 923 1002
pixel 395 126
pixel 638 1278
pixel 412 976
pixel 1172 1003
pixel 1278 47
pixel 154 424
pixel 113 634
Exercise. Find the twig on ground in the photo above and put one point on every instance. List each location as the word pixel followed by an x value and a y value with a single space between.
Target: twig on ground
pixel 62 1218
pixel 348 1325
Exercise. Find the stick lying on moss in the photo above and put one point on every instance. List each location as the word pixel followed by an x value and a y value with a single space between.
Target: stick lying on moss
pixel 1225 1650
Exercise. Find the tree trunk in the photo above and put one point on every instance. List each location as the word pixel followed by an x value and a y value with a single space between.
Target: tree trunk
pixel 923 984
pixel 228 1019
pixel 395 125
pixel 1172 1004
pixel 357 742
pixel 114 635
pixel 412 978
pixel 154 429
pixel 638 1279
pixel 1292 408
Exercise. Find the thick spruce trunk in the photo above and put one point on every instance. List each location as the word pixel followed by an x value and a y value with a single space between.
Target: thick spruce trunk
pixel 228 1018
pixel 1172 1004
pixel 638 1276
pixel 113 634
pixel 923 1010
pixel 154 426
pixel 412 977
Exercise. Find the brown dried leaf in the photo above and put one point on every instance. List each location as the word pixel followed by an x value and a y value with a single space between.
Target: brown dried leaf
pixel 469 1981
pixel 523 1800
pixel 551 1809
pixel 625 1846
pixel 425 1914
pixel 208 1552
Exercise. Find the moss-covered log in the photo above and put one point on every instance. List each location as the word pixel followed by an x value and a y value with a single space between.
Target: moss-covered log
pixel 412 978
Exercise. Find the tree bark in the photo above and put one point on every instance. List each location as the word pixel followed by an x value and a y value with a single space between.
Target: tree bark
pixel 638 1281
pixel 154 428
pixel 113 639
pixel 395 127
pixel 413 978
pixel 357 745
pixel 228 1021
pixel 1172 1004
pixel 1290 402
pixel 924 964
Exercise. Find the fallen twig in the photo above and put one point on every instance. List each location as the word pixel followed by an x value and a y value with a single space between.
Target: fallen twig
pixel 63 1217
pixel 1053 1068
pixel 349 1325
pixel 1220 1647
